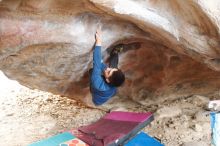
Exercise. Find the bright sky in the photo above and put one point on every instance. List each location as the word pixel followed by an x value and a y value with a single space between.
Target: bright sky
pixel 7 85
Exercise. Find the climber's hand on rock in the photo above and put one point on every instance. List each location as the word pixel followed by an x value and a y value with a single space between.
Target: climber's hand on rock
pixel 98 36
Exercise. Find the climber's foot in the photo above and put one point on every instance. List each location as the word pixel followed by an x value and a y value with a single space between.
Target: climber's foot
pixel 117 49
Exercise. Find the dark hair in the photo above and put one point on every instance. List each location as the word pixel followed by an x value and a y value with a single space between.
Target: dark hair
pixel 117 78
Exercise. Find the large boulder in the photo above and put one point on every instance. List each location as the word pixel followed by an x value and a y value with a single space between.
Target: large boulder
pixel 173 47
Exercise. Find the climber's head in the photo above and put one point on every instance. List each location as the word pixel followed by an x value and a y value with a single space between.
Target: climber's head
pixel 114 76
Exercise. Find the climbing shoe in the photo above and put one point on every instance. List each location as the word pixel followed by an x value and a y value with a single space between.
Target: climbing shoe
pixel 117 49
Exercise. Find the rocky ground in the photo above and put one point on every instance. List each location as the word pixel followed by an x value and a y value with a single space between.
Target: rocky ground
pixel 29 115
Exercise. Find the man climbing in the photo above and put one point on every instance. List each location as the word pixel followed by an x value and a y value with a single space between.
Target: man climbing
pixel 104 80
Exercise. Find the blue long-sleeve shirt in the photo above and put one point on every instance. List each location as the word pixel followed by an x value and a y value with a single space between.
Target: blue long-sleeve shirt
pixel 101 91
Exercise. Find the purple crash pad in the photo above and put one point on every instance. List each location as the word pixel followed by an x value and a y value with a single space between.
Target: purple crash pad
pixel 114 128
pixel 128 116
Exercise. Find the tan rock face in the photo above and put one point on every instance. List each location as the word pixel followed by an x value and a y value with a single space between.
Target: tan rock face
pixel 47 44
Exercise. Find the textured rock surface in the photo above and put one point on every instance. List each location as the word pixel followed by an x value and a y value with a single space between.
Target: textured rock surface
pixel 47 44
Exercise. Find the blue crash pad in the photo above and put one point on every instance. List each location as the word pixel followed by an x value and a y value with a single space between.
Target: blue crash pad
pixel 55 140
pixel 142 139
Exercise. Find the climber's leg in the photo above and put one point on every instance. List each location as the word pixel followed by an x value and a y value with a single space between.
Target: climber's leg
pixel 113 59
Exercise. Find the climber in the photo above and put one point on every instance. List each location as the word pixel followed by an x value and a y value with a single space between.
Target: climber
pixel 104 80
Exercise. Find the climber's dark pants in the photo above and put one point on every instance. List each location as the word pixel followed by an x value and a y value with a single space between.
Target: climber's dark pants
pixel 113 60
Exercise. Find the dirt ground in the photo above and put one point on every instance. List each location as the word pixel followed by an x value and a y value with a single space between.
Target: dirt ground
pixel 29 115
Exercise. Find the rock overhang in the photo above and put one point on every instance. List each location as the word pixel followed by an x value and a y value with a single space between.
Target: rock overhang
pixel 48 45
